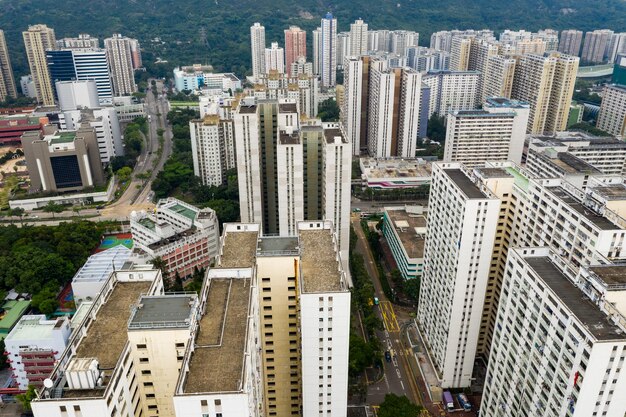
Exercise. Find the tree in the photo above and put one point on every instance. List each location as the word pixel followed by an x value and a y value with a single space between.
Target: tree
pixel 27 397
pixel 3 357
pixel 361 355
pixel 395 406
pixel 53 207
pixel 18 212
pixel 436 128
pixel 159 263
pixel 412 288
pixel 328 110
pixel 124 173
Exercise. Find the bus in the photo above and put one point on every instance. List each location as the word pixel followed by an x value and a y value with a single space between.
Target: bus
pixel 447 400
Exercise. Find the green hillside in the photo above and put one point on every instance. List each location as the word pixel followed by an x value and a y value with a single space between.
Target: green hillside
pixel 178 23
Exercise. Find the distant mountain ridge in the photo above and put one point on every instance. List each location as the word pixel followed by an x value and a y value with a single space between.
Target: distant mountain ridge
pixel 178 24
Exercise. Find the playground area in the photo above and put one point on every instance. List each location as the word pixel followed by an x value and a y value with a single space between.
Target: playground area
pixel 111 241
pixel 66 301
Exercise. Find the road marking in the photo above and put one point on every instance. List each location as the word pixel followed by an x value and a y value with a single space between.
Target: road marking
pixel 402 384
pixel 398 373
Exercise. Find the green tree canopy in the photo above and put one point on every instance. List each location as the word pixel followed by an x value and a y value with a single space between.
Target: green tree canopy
pixel 396 406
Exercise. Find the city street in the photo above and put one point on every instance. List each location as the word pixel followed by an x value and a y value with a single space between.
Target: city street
pixel 398 377
pixel 138 193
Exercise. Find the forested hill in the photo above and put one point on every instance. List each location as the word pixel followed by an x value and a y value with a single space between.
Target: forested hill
pixel 178 23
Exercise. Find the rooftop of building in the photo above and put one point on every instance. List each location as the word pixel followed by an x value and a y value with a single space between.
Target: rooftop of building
pixel 106 336
pixel 332 133
pixel 568 138
pixel 611 192
pixel 100 265
pixel 13 310
pixel 287 107
pixel 247 109
pixel 611 275
pixel 617 87
pixel 277 245
pixel 289 138
pixel 493 172
pixel 480 113
pixel 163 311
pixel 395 168
pixel 61 137
pixel 216 364
pixel 466 185
pixel 174 238
pixel 600 222
pixel 319 266
pixel 182 210
pixel 573 165
pixel 239 249
pixel 34 327
pixel 596 322
pixel 148 223
pixel 18 120
pixel 411 229
pixel 505 102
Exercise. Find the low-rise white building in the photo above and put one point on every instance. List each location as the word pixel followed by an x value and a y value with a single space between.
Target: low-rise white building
pixel 184 236
pixel 33 347
pixel 201 77
pixel 388 173
pixel 405 231
pixel 90 278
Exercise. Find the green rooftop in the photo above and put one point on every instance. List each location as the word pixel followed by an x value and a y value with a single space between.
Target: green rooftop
pixel 146 222
pixel 13 311
pixel 63 137
pixel 184 211
pixel 520 180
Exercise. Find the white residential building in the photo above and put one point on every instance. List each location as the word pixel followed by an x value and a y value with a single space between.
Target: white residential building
pixel 274 150
pixel 212 148
pixel 119 51
pixel 33 346
pixel 328 51
pixel 606 154
pixel 343 48
pixel 394 110
pixel 451 90
pixel 351 104
pixel 554 352
pixel 257 40
pixel 612 116
pixel 83 40
pixel 325 327
pixel 184 236
pixel 358 38
pixel 460 235
pixel 496 133
pixel 546 83
pixel 275 58
pixel 93 376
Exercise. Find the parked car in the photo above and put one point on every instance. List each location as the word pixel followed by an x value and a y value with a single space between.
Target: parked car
pixel 387 356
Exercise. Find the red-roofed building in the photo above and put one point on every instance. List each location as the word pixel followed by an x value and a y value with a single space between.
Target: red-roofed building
pixel 12 127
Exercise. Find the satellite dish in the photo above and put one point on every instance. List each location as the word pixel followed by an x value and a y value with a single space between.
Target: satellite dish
pixel 48 383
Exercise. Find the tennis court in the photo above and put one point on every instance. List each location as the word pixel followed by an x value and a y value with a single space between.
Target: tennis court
pixel 111 241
